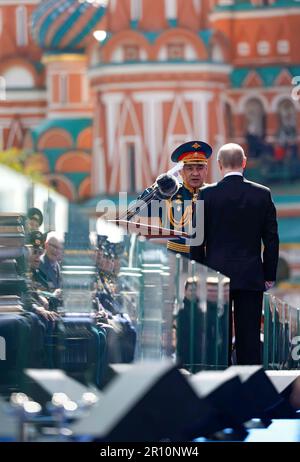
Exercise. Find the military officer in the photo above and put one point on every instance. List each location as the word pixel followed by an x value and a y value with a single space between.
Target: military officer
pixel 178 210
pixel 39 282
pixel 34 219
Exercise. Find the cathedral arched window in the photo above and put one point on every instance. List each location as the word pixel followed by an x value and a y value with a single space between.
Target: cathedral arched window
pixel 255 117
pixel 287 123
pixel 175 51
pixel 255 121
pixel 131 52
pixel 21 26
pixel 18 77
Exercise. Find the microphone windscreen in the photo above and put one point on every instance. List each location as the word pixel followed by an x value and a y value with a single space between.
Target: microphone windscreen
pixel 167 185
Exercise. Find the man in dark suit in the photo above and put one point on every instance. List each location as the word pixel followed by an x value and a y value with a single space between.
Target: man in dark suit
pixel 239 216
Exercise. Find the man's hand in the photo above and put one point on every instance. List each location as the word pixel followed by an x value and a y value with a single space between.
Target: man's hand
pixel 44 302
pixel 57 293
pixel 46 314
pixel 269 284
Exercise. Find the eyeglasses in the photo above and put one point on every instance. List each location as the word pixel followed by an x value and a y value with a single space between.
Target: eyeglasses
pixel 56 247
pixel 37 251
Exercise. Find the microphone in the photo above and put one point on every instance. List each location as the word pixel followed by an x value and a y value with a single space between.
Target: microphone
pixel 165 186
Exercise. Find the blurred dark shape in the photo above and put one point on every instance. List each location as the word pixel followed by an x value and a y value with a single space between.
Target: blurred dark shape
pixel 283 270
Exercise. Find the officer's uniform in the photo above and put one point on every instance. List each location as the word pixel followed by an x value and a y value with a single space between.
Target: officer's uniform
pixel 39 282
pixel 121 335
pixel 177 211
pixel 36 215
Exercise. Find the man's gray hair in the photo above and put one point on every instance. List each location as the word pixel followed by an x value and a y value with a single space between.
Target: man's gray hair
pixel 53 236
pixel 231 155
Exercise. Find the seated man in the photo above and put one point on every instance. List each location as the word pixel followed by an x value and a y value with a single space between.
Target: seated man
pixel 39 302
pixel 50 264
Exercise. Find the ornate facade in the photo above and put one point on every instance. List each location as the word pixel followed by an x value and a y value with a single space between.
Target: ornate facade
pixel 104 116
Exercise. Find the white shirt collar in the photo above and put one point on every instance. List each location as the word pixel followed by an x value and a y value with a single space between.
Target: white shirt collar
pixel 233 173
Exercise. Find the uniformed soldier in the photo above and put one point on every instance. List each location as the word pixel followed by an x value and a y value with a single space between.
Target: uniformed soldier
pixel 105 276
pixel 34 219
pixel 178 214
pixel 40 303
pixel 121 335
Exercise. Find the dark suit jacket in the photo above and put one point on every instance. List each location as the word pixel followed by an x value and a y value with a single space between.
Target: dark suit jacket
pixel 239 216
pixel 50 272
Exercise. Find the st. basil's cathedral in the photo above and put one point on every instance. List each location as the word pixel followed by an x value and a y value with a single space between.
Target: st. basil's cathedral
pixel 101 92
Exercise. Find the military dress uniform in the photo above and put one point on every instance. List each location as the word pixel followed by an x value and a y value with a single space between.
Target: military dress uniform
pixel 176 212
pixel 121 335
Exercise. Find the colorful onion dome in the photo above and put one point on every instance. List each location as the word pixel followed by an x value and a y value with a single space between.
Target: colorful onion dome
pixel 66 25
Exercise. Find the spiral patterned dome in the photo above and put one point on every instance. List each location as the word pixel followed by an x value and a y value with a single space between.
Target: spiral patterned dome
pixel 66 25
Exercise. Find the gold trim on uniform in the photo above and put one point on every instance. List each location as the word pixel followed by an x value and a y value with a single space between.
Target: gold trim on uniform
pixel 185 217
pixel 192 190
pixel 183 248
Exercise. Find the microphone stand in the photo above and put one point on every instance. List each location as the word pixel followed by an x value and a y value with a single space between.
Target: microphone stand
pixel 139 205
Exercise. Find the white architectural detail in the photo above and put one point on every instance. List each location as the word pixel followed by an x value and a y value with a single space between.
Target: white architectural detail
pixel 225 2
pixel 279 98
pixel 149 68
pixel 265 13
pixel 2 88
pixel 200 101
pixel 240 109
pixel 283 47
pixel 243 49
pixel 143 55
pixel 113 5
pixel 26 95
pixel 217 54
pixel 163 54
pixel 63 89
pixel 18 77
pixel 153 120
pixel 178 109
pixel 1 21
pixel 127 113
pixel 21 26
pixel 112 102
pixel 197 5
pixel 136 10
pixel 99 166
pixel 263 47
pixel 94 58
pixel 190 53
pixel 171 9
pixel 117 55
pixel 1 139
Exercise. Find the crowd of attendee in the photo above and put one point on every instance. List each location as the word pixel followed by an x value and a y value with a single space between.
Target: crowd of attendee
pixel 58 337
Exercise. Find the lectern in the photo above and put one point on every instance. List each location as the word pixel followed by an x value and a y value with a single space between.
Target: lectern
pixel 149 231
